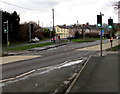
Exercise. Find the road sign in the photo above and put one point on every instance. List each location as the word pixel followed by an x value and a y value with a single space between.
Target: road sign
pixel 102 33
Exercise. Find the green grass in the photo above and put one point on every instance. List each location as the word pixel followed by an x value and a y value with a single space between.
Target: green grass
pixel 116 48
pixel 85 40
pixel 28 46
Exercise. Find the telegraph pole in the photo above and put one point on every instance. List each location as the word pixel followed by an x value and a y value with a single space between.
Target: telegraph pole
pixel 50 31
pixel 53 27
pixel 30 33
pixel 53 18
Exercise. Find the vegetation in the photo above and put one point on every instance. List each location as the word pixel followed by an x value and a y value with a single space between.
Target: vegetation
pixel 13 25
pixel 28 46
pixel 116 48
pixel 85 40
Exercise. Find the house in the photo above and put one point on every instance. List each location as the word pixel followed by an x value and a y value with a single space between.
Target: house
pixel 69 31
pixel 62 30
pixel 93 29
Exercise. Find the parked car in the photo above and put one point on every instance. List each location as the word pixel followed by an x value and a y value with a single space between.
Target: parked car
pixel 118 37
pixel 35 39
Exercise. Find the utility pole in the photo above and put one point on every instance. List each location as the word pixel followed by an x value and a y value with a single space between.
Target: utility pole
pixel 30 33
pixel 53 27
pixel 53 18
pixel 38 23
pixel 50 31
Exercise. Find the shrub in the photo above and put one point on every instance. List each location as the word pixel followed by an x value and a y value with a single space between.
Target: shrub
pixel 92 35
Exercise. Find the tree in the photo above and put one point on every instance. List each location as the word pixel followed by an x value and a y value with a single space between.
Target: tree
pixel 13 23
pixel 47 32
pixel 117 8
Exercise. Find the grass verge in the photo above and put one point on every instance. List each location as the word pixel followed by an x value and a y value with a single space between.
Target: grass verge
pixel 28 46
pixel 85 40
pixel 116 48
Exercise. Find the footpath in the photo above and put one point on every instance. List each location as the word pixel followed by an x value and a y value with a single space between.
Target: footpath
pixel 99 75
pixel 18 57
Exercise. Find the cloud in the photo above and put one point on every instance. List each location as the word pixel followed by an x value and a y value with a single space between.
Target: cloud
pixel 66 11
pixel 27 5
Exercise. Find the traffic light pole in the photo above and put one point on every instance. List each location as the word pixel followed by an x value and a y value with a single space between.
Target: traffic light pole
pixel 110 26
pixel 7 35
pixel 111 40
pixel 101 35
pixel 101 41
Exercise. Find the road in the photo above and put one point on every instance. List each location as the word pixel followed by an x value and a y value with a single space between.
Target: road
pixel 45 71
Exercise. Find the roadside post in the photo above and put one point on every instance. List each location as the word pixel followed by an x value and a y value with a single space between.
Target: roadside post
pixel 111 40
pixel 29 33
pixel 99 24
pixel 110 26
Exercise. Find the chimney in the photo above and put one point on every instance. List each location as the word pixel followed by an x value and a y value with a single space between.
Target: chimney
pixel 87 23
pixel 64 25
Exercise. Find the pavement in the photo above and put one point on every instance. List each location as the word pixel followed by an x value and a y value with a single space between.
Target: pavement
pixel 100 75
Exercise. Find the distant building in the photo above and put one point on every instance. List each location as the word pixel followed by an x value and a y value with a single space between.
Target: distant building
pixel 69 31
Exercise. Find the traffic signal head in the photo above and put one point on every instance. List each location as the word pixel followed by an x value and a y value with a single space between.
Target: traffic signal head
pixel 110 23
pixel 5 27
pixel 99 20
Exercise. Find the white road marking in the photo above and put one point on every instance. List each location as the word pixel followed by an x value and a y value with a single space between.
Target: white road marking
pixel 43 71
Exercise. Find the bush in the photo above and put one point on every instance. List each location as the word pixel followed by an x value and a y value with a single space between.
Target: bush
pixel 92 35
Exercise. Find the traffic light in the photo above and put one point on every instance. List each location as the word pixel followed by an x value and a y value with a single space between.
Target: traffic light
pixel 110 23
pixel 99 20
pixel 5 27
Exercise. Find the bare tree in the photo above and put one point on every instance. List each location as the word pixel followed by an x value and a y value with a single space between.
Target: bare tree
pixel 117 8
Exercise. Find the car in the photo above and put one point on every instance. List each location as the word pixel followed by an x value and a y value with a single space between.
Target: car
pixel 118 37
pixel 35 40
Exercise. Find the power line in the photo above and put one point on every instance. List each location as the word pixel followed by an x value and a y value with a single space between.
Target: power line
pixel 62 17
pixel 21 7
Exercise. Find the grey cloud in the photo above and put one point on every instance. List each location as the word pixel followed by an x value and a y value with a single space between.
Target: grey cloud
pixel 29 4
pixel 45 5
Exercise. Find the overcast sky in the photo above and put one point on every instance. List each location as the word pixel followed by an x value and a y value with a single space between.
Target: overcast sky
pixel 66 11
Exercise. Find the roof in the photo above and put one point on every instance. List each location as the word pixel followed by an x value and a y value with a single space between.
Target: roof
pixel 78 27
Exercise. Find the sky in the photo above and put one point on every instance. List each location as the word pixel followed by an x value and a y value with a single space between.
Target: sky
pixel 65 11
